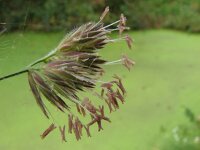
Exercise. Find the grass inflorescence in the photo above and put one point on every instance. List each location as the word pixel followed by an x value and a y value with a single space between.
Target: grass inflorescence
pixel 75 66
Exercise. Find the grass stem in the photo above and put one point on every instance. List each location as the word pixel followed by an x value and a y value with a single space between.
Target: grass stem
pixel 13 74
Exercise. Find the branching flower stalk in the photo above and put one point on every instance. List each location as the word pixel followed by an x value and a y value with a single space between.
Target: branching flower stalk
pixel 75 66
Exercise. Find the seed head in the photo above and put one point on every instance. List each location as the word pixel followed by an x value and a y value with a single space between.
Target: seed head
pixel 75 66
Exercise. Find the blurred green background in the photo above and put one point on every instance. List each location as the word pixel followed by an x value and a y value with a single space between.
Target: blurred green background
pixel 163 83
pixel 48 15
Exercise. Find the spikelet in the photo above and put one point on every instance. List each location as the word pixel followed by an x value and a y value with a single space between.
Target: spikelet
pixel 48 130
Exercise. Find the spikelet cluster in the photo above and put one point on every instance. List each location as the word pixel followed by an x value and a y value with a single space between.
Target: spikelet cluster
pixel 76 66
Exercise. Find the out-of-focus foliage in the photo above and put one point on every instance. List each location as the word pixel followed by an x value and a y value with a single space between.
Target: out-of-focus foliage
pixel 176 14
pixel 56 14
pixel 185 136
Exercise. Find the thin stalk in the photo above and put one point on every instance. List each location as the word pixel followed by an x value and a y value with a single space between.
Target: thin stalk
pixel 27 68
pixel 14 74
pixel 111 24
pixel 113 62
pixel 50 54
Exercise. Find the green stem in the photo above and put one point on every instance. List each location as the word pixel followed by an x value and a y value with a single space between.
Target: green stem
pixel 50 54
pixel 14 74
pixel 26 69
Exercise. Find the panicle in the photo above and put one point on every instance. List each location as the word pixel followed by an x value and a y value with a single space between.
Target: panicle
pixel 75 66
